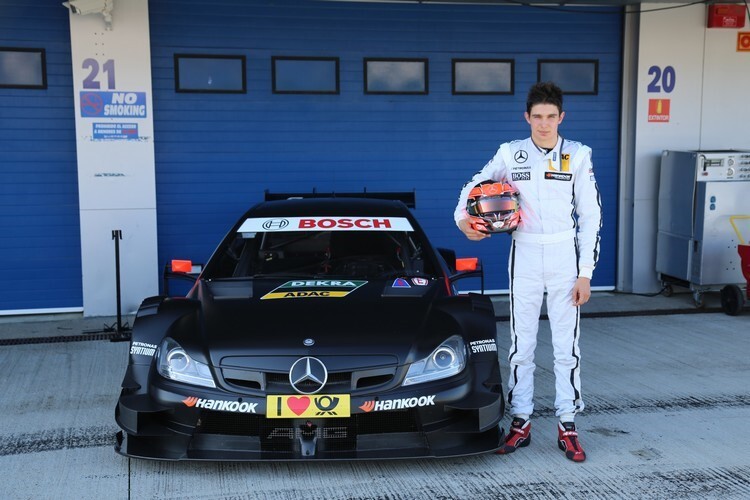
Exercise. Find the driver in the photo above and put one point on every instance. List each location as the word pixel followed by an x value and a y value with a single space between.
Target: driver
pixel 555 248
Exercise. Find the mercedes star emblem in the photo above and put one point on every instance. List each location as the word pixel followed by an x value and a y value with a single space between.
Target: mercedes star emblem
pixel 521 156
pixel 308 375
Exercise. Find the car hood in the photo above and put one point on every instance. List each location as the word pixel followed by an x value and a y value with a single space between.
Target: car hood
pixel 342 317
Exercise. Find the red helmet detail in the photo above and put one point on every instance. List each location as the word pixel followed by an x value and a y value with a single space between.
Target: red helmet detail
pixel 495 207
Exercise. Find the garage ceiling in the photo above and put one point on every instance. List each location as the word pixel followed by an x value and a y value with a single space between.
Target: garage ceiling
pixel 556 3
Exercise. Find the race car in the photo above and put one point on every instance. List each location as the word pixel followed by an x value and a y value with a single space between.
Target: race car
pixel 320 328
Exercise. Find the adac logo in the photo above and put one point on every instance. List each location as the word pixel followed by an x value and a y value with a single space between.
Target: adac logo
pixel 521 156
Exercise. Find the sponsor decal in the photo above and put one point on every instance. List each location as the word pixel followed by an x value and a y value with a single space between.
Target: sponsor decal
pixel 486 345
pixel 275 224
pixel 565 162
pixel 220 405
pixel 400 283
pixel 420 281
pixel 317 406
pixel 397 404
pixel 322 288
pixel 557 176
pixel 520 176
pixel 142 349
pixel 327 223
pixel 521 156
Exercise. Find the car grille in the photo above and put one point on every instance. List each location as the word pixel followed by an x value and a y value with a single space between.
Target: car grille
pixel 278 383
pixel 281 434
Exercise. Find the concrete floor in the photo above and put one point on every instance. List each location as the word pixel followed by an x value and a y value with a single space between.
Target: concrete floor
pixel 667 415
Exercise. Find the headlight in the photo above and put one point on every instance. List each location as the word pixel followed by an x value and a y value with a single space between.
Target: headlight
pixel 447 360
pixel 175 364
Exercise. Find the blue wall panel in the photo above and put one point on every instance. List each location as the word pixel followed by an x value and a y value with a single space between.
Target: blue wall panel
pixel 40 251
pixel 217 153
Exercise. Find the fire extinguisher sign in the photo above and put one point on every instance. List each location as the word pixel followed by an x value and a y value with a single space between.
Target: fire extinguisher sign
pixel 662 80
pixel 658 110
pixel 743 41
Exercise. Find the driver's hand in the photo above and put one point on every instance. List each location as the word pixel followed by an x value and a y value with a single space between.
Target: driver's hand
pixel 469 226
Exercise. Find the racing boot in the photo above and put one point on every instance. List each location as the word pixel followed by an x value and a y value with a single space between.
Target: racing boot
pixel 567 440
pixel 519 436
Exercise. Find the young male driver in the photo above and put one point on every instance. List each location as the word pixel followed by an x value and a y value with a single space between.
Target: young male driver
pixel 555 248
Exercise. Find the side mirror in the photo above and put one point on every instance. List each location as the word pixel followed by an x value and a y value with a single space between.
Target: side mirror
pixel 182 270
pixel 467 264
pixel 464 267
pixel 186 266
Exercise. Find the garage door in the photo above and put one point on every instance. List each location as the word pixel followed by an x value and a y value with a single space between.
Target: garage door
pixel 40 253
pixel 340 97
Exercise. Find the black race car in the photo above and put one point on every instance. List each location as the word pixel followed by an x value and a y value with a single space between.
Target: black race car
pixel 319 329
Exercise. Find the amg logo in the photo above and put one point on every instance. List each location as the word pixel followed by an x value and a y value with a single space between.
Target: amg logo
pixel 296 433
pixel 521 176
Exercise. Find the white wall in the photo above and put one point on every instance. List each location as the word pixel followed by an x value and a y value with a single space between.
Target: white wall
pixel 709 109
pixel 116 175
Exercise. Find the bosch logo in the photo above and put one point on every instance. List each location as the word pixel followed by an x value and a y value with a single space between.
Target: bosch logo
pixel 275 224
pixel 521 156
pixel 308 375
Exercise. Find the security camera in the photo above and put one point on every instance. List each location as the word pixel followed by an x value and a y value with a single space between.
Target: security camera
pixel 84 7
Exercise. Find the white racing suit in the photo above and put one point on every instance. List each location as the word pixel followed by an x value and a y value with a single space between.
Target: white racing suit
pixel 556 242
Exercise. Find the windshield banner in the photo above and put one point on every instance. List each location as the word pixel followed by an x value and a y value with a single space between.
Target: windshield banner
pixel 325 223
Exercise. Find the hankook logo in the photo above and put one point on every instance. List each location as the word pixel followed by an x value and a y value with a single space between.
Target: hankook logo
pixel 308 375
pixel 521 156
pixel 275 224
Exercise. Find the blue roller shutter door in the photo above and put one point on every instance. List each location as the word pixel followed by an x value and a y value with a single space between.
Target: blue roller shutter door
pixel 217 153
pixel 40 253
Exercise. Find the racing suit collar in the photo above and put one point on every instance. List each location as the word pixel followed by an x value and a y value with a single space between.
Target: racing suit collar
pixel 545 151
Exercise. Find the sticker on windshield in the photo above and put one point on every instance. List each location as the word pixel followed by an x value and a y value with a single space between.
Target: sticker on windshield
pixel 299 289
pixel 320 223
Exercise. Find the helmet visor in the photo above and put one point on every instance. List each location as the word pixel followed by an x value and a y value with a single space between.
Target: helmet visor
pixel 496 204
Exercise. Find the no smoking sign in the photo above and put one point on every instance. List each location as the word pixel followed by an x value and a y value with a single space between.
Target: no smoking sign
pixel 743 41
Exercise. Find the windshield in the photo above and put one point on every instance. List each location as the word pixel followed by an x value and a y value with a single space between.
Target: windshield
pixel 350 254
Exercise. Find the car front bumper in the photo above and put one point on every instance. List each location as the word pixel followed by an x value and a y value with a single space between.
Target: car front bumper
pixel 452 417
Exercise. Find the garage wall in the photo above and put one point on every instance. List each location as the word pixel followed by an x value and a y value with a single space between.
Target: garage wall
pixel 709 110
pixel 40 252
pixel 217 153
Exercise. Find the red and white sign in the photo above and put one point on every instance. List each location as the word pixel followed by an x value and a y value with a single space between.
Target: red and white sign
pixel 743 41
pixel 658 110
pixel 325 223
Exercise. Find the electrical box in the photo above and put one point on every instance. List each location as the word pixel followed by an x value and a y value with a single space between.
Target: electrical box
pixel 726 16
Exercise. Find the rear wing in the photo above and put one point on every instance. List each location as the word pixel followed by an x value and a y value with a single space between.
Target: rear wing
pixel 407 198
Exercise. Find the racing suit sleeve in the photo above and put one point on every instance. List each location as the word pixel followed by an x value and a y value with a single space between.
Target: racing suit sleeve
pixel 495 170
pixel 588 208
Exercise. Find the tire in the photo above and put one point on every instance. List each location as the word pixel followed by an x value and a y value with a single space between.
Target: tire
pixel 732 300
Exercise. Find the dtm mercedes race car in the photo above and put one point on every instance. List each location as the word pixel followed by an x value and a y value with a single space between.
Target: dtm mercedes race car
pixel 323 328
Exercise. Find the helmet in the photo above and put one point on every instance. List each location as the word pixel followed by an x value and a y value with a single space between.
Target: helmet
pixel 495 204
